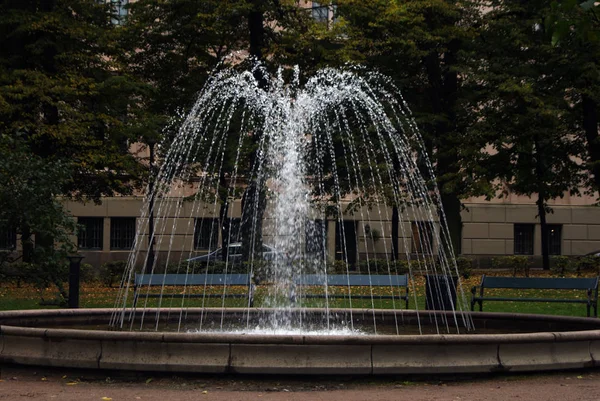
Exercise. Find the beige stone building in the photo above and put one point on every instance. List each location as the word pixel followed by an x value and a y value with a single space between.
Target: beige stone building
pixel 499 227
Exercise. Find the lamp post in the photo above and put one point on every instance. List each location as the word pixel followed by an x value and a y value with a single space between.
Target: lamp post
pixel 74 269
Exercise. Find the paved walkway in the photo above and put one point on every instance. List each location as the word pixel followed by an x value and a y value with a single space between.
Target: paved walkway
pixel 18 383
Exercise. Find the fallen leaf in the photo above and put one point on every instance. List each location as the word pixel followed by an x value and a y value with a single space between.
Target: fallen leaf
pixel 580 377
pixel 64 377
pixel 71 383
pixel 148 381
pixel 44 379
pixel 106 399
pixel 205 392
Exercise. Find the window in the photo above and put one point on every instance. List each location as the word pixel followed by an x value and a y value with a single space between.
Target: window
pixel 524 239
pixel 554 239
pixel 235 229
pixel 8 237
pixel 316 236
pixel 206 234
pixel 422 237
pixel 320 13
pixel 91 232
pixel 122 232
pixel 346 241
pixel 119 11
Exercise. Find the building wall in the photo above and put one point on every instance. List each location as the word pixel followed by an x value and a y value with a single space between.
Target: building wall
pixel 488 228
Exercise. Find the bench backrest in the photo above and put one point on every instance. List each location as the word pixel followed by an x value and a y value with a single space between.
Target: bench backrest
pixel 191 279
pixel 540 283
pixel 354 280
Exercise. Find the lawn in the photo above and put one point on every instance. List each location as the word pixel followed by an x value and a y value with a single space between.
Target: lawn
pixel 94 295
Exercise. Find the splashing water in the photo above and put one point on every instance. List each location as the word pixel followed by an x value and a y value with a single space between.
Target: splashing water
pixel 342 148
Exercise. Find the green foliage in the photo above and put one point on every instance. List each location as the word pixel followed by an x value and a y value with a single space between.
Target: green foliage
pixel 29 185
pixel 382 266
pixel 464 266
pixel 89 274
pixel 337 267
pixel 60 92
pixel 111 273
pixel 589 263
pixel 518 264
pixel 563 265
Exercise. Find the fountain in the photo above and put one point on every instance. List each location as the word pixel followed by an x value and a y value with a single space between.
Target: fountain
pixel 267 161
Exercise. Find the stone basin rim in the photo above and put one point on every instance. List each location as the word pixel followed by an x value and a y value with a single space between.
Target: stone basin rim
pixel 591 334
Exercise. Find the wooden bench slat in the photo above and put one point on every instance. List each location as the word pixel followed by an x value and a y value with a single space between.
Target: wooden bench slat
pixel 540 283
pixel 176 280
pixel 589 285
pixel 353 280
pixel 583 301
pixel 191 279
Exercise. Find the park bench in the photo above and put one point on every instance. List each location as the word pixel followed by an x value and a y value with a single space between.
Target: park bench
pixel 143 281
pixel 305 284
pixel 589 285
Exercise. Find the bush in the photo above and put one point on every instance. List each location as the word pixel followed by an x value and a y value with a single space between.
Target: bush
pixel 589 263
pixel 464 266
pixel 337 267
pixel 88 274
pixel 518 264
pixel 562 265
pixel 112 272
pixel 16 273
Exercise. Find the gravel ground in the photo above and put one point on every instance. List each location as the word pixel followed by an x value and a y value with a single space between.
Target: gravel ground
pixel 30 383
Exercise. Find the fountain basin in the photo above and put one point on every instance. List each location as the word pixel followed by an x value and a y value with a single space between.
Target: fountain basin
pixel 34 337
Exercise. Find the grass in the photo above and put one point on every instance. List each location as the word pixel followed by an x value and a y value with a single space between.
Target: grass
pixel 93 295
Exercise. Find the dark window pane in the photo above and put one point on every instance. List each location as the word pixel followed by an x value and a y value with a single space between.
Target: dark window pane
pixel 206 234
pixel 524 239
pixel 91 232
pixel 320 12
pixel 422 237
pixel 234 226
pixel 346 241
pixel 8 237
pixel 316 236
pixel 122 232
pixel 554 239
pixel 119 11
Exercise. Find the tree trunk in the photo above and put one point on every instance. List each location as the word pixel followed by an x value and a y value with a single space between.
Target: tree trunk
pixel 151 257
pixel 443 89
pixel 452 208
pixel 223 218
pixel 590 125
pixel 541 204
pixel 27 243
pixel 544 225
pixel 395 224
pixel 253 200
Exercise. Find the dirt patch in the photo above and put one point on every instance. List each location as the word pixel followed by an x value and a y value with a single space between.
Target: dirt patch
pixel 28 383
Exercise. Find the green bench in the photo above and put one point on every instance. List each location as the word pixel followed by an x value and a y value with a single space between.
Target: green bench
pixel 589 285
pixel 305 283
pixel 142 282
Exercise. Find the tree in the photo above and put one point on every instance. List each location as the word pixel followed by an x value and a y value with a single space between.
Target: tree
pixel 60 92
pixel 574 29
pixel 523 109
pixel 29 206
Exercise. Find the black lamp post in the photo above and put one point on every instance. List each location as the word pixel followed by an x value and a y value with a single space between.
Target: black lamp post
pixel 74 269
